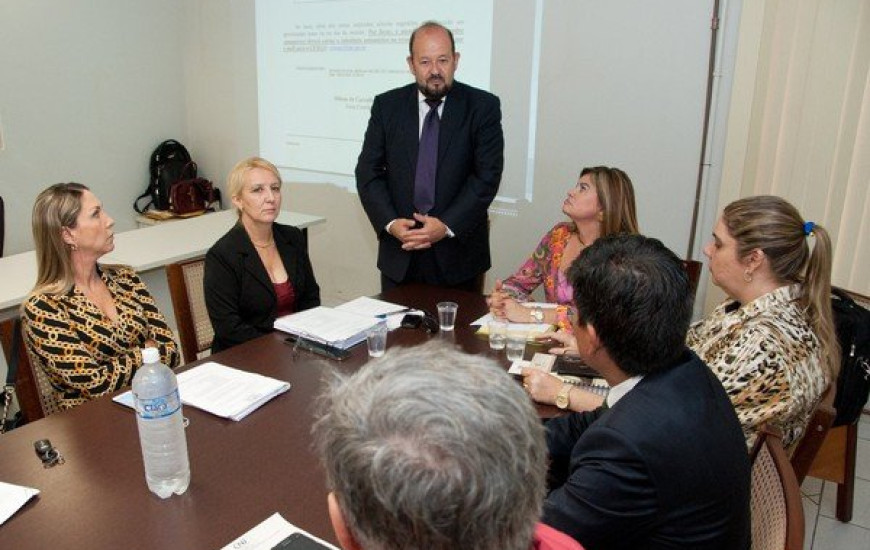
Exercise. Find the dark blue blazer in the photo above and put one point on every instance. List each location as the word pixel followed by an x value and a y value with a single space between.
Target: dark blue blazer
pixel 239 295
pixel 470 163
pixel 666 467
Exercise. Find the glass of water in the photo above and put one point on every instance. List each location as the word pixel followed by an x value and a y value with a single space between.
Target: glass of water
pixel 516 345
pixel 376 339
pixel 447 315
pixel 497 334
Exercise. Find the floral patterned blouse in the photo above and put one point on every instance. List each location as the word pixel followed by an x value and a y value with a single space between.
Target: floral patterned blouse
pixel 542 268
pixel 84 353
pixel 768 359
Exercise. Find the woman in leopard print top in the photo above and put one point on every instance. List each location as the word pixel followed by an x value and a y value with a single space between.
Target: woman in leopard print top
pixel 772 343
pixel 84 324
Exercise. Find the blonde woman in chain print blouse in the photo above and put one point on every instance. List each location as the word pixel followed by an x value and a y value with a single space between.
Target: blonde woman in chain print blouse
pixel 85 323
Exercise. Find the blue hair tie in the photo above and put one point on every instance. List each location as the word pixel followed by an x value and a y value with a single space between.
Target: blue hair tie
pixel 808 228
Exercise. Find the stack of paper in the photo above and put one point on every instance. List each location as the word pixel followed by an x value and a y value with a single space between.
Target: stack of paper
pixel 331 326
pixel 227 392
pixel 13 497
pixel 370 307
pixel 221 390
pixel 531 329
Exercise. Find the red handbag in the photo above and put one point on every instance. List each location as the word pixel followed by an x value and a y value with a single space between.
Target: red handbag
pixel 190 194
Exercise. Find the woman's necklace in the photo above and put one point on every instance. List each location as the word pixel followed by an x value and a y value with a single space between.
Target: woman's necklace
pixel 269 244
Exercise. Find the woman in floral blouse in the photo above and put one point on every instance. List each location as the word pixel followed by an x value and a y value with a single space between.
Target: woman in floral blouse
pixel 600 204
pixel 85 323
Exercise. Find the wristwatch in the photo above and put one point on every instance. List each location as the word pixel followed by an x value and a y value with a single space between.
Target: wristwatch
pixel 537 314
pixel 563 398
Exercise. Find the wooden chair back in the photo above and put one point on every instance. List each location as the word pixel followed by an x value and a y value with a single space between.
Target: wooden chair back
pixel 836 458
pixel 776 508
pixel 188 302
pixel 817 430
pixel 693 269
pixel 32 388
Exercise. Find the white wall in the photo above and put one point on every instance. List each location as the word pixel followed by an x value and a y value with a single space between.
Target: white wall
pixel 87 89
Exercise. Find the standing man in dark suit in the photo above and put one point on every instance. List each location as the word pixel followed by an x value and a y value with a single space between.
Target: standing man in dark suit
pixel 663 463
pixel 429 168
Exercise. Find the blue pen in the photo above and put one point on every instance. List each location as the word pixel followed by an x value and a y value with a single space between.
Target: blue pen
pixel 385 315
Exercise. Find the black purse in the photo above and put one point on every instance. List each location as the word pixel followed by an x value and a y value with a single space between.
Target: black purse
pixel 6 422
pixel 853 332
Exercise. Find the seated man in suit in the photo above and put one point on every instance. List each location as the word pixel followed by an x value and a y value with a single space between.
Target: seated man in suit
pixel 662 464
pixel 433 448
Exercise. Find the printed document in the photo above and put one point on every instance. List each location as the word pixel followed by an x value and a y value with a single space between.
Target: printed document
pixel 13 497
pixel 222 391
pixel 276 532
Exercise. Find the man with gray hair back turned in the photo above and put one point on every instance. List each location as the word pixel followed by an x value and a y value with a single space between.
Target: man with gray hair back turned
pixel 430 448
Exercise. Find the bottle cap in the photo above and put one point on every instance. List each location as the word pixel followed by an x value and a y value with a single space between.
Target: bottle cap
pixel 150 355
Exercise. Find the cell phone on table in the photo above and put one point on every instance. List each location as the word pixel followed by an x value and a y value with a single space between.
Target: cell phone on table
pixel 299 541
pixel 412 321
pixel 573 365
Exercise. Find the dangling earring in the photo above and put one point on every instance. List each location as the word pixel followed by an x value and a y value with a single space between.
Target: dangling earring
pixel 601 216
pixel 747 276
pixel 73 247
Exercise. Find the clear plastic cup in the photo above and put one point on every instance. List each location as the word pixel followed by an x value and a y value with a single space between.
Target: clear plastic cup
pixel 497 334
pixel 515 345
pixel 447 315
pixel 376 339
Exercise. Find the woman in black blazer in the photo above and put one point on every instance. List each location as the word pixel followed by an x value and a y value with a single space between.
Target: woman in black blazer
pixel 259 270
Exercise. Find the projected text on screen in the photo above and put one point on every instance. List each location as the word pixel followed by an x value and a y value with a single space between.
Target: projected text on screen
pixel 321 62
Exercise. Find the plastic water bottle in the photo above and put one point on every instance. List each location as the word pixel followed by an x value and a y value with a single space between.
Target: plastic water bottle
pixel 161 426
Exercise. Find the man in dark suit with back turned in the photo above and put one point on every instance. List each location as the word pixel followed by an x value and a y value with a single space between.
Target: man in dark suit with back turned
pixel 429 168
pixel 663 463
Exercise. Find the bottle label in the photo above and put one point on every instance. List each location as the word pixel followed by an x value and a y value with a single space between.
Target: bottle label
pixel 159 407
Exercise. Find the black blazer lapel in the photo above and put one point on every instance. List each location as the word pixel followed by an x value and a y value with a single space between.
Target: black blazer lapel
pixel 452 118
pixel 288 251
pixel 410 130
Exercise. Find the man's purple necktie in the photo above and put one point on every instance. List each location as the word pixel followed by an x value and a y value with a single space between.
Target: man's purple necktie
pixel 427 160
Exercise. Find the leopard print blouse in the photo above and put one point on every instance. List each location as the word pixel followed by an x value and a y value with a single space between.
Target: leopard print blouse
pixel 767 358
pixel 85 354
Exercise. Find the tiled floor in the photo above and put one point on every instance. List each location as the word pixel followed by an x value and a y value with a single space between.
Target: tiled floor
pixel 824 531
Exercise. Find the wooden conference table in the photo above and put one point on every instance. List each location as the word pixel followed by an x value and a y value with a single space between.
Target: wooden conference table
pixel 241 472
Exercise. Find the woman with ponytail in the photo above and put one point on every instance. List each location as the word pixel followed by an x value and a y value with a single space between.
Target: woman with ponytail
pixel 772 343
